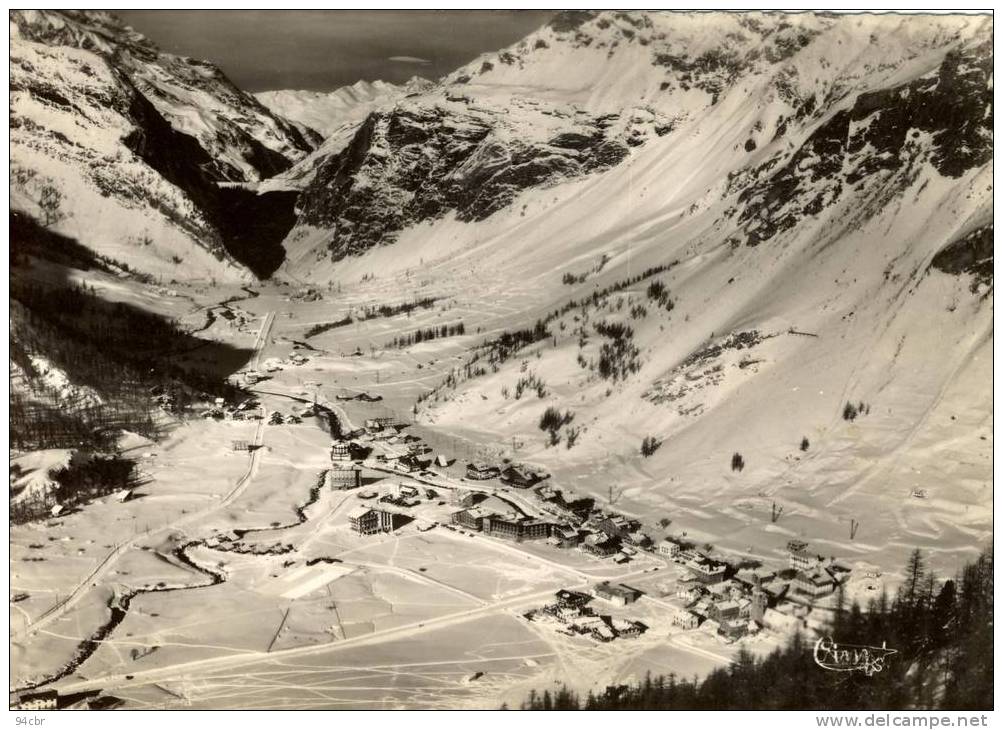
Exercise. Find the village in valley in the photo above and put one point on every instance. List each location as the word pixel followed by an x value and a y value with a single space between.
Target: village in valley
pixel 721 596
pixel 580 569
pixel 639 347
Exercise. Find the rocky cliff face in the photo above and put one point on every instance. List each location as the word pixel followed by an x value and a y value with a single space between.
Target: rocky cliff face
pixel 880 142
pixel 245 140
pixel 125 148
pixel 456 154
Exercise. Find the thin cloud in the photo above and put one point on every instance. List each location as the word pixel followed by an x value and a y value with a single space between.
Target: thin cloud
pixel 410 59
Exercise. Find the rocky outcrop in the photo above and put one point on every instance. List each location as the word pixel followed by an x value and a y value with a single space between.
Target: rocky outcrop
pixel 243 138
pixel 971 254
pixel 943 119
pixel 427 158
pixel 96 153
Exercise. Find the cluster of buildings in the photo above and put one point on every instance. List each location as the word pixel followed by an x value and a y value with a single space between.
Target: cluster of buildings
pixel 521 476
pixel 816 577
pixel 245 410
pixel 568 524
pixel 396 451
pixel 572 612
pixel 731 603
pixel 390 510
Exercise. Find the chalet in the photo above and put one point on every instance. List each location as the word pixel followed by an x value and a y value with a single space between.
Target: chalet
pixel 368 521
pixel 57 509
pixel 341 451
pixel 621 557
pixel 706 570
pixel 763 575
pixel 638 538
pixel 413 463
pixel 565 536
pixel 686 555
pixel 815 584
pixel 602 632
pixel 689 590
pixel 618 525
pixel 239 445
pixel 472 519
pixel 464 498
pixel 340 479
pixel 521 476
pixel 685 619
pixel 599 544
pixel 618 593
pixel 722 611
pixel 481 471
pixel 625 628
pixel 408 490
pixel 443 461
pixel 568 614
pixel 572 598
pixel 669 547
pixel 798 557
pixel 380 423
pixel 578 508
pixel 123 496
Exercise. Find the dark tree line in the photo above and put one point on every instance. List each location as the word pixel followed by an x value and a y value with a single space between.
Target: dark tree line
pixel 373 311
pixel 429 333
pixel 942 630
pixel 123 353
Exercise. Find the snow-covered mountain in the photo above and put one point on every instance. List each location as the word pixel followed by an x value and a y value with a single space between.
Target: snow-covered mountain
pixel 587 92
pixel 337 115
pixel 327 111
pixel 124 147
pixel 797 216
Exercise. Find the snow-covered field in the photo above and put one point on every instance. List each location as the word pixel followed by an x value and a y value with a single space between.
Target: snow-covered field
pixel 398 596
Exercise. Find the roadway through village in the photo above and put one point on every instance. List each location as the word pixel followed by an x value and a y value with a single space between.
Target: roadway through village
pixel 244 661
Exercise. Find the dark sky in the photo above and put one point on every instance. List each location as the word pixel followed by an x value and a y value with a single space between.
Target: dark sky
pixel 324 49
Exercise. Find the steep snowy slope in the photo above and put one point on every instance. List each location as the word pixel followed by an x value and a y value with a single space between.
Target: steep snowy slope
pixel 812 231
pixel 132 151
pixel 245 140
pixel 537 113
pixel 91 158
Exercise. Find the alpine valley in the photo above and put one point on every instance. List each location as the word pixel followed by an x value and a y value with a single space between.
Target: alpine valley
pixel 724 277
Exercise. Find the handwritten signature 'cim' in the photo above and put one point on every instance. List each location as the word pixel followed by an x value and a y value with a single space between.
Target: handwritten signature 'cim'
pixel 850 657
